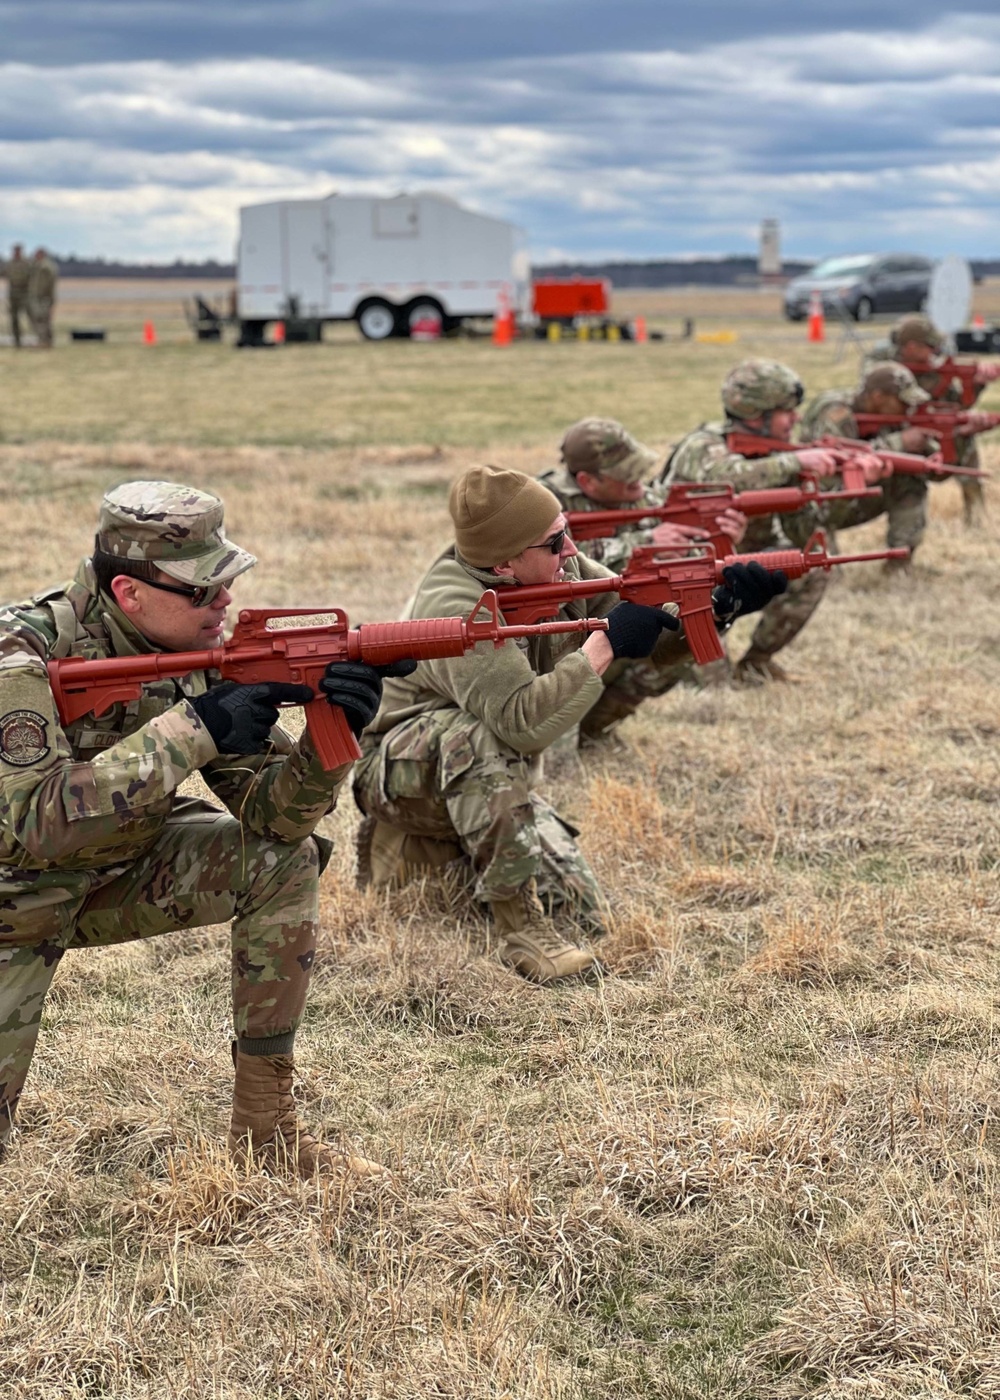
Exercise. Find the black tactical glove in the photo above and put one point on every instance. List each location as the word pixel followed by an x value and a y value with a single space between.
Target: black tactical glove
pixel 634 629
pixel 240 717
pixel 746 588
pixel 357 688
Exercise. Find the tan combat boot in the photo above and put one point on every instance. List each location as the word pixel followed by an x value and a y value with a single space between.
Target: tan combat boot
pixel 532 945
pixel 266 1133
pixel 758 666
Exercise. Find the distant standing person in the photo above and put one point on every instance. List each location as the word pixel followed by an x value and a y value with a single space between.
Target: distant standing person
pixel 42 296
pixel 17 273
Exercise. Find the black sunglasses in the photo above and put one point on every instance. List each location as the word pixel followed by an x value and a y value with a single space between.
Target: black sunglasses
pixel 553 545
pixel 200 597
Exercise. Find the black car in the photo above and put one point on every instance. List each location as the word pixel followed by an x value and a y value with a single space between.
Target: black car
pixel 862 285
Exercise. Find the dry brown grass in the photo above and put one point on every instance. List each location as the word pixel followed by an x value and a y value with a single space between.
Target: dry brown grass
pixel 758 1159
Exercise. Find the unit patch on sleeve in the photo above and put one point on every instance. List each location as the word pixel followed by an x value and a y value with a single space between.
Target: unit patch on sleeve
pixel 23 738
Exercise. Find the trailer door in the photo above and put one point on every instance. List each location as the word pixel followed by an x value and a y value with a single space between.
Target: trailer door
pixel 305 249
pixel 261 286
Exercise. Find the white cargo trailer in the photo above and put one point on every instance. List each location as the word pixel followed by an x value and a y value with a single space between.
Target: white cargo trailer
pixel 389 264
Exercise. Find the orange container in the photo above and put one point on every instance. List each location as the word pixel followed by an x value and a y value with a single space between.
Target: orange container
pixel 563 300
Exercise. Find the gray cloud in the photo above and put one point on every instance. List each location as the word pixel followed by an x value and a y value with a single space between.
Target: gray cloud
pixel 640 144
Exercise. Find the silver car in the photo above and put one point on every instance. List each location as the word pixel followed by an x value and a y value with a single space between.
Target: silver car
pixel 862 285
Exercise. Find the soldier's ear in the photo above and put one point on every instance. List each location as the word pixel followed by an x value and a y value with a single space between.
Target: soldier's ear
pixel 126 594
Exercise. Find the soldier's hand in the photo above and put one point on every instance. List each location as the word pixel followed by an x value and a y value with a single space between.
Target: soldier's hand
pixel 817 462
pixel 669 535
pixel 916 440
pixel 240 717
pixel 873 468
pixel 732 523
pixel 986 373
pixel 634 629
pixel 975 422
pixel 746 588
pixel 356 688
pixel 936 460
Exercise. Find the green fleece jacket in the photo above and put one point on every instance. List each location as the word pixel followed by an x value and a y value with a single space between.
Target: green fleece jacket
pixel 527 692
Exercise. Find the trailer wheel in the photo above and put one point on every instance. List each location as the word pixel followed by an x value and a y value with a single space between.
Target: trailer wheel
pixel 376 320
pixel 420 312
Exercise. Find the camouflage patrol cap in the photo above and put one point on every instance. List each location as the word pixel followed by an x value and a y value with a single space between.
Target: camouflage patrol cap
pixel 919 328
pixel 894 379
pixel 603 447
pixel 760 386
pixel 178 528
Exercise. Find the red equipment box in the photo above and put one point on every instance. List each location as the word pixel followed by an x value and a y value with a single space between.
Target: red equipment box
pixel 562 301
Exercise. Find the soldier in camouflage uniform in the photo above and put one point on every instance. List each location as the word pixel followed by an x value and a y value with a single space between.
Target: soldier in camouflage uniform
pixel 42 280
pixel 762 397
pixel 448 767
pixel 604 467
pixel 17 272
pixel 917 343
pixel 885 388
pixel 98 847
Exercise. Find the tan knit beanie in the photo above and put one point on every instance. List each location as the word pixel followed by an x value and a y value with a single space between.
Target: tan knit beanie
pixel 497 513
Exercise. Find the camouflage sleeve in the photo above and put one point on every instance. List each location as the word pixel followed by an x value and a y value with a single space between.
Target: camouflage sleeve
pixel 281 794
pixel 891 441
pixel 53 805
pixel 705 457
pixel 615 552
pixel 831 419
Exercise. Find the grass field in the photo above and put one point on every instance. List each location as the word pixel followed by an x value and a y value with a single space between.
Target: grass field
pixel 760 1159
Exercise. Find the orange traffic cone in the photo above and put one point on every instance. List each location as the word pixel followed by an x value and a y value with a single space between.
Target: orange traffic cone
pixel 148 333
pixel 503 320
pixel 978 323
pixel 279 332
pixel 817 325
pixel 639 329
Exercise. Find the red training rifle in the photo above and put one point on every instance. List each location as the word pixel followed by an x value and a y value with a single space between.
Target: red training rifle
pixel 689 582
pixel 699 504
pixel 259 652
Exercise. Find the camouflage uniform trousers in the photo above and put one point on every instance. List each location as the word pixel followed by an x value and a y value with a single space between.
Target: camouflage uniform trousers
pixel 973 497
pixel 202 870
pixel 40 316
pixel 785 616
pixel 17 306
pixel 903 501
pixel 447 777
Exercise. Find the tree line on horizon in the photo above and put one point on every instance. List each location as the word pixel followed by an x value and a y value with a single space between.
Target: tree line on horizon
pixel 728 271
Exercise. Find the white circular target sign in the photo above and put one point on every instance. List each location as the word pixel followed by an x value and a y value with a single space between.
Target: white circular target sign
pixel 949 299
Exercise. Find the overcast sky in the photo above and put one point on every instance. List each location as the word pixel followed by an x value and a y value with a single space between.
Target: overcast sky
pixel 642 128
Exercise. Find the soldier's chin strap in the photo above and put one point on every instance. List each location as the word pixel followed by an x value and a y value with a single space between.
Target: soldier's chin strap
pixel 741 425
pixel 766 420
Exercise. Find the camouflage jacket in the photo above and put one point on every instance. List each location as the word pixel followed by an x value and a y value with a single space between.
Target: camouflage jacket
pixel 615 551
pixel 42 280
pixel 884 350
pixel 704 456
pixel 832 414
pixel 97 792
pixel 18 273
pixel 967 454
pixel 528 693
